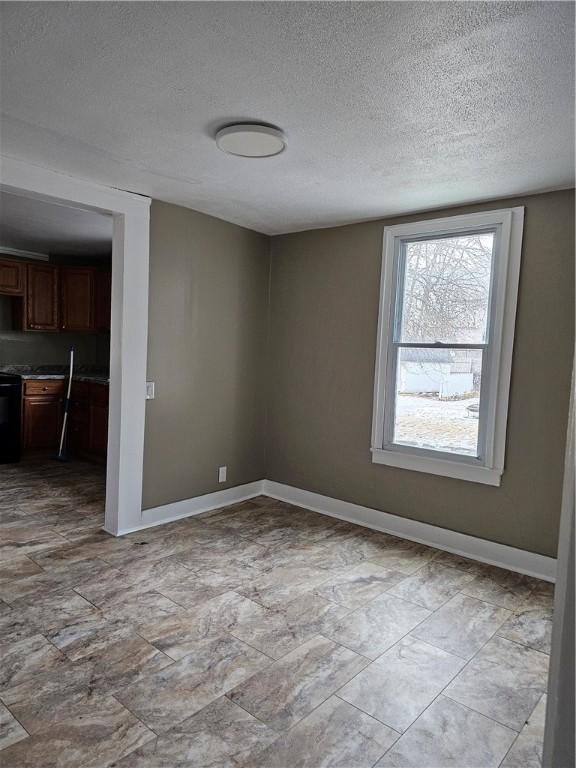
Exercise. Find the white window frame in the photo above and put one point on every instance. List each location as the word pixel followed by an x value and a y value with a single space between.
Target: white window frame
pixel 488 467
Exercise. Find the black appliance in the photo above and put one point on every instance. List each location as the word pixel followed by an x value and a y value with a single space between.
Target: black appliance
pixel 10 418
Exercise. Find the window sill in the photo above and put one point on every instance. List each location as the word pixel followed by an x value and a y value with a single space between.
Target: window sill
pixel 474 473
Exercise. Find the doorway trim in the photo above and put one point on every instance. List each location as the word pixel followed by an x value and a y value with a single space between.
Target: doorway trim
pixel 129 322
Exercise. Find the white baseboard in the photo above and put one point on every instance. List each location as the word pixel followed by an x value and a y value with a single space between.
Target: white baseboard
pixel 513 559
pixel 168 513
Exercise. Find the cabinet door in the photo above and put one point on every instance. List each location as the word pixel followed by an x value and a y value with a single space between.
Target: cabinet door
pixel 98 430
pixel 77 293
pixel 42 298
pixel 102 299
pixel 77 437
pixel 42 422
pixel 12 277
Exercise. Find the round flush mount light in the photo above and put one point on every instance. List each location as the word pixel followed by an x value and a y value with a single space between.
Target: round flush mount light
pixel 250 140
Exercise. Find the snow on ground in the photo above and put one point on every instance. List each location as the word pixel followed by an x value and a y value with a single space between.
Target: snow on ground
pixel 444 425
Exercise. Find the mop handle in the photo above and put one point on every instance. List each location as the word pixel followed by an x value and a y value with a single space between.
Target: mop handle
pixel 70 374
pixel 67 403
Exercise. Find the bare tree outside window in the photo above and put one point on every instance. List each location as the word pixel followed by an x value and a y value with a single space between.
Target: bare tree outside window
pixel 446 289
pixel 444 297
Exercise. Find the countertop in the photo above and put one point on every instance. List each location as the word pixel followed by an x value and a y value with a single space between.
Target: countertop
pixel 84 373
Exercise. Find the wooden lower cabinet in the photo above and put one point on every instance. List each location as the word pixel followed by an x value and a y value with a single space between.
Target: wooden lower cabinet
pixel 98 430
pixel 43 413
pixel 88 435
pixel 42 422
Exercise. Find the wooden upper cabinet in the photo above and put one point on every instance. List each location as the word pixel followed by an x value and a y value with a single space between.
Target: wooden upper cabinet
pixel 41 297
pixel 102 299
pixel 12 277
pixel 77 299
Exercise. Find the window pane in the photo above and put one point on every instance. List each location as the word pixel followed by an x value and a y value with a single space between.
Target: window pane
pixel 445 292
pixel 437 399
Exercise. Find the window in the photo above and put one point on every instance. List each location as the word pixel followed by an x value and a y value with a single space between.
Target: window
pixel 445 335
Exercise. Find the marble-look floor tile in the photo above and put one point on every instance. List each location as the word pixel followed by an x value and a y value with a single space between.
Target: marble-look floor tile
pixel 124 662
pixel 10 729
pixel 404 556
pixel 450 560
pixel 340 552
pixel 179 634
pixel 192 593
pixel 137 607
pixel 279 533
pixel 51 696
pixel 89 635
pixel 282 584
pixel 220 735
pixel 30 587
pixel 504 681
pixel 356 586
pixel 233 573
pixel 55 609
pixel 87 548
pixel 531 626
pixel 283 629
pixel 75 607
pixel 202 554
pixel 373 629
pixel 72 573
pixel 17 568
pixel 14 626
pixel 462 625
pixel 140 577
pixel 448 734
pixel 309 554
pixel 25 659
pixel 226 579
pixel 28 540
pixel 401 683
pixel 431 586
pixel 499 587
pixel 327 558
pixel 90 741
pixel 543 595
pixel 336 735
pixel 526 752
pixel 185 687
pixel 291 688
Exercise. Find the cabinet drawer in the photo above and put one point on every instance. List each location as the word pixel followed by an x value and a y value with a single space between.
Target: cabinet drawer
pixel 53 387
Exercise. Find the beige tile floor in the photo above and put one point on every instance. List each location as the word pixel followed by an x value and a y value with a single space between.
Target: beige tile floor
pixel 260 635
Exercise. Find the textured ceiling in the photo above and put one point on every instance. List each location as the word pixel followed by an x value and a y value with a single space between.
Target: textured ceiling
pixel 33 225
pixel 387 107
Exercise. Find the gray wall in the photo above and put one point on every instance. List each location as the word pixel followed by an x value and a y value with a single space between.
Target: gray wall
pixel 324 310
pixel 206 353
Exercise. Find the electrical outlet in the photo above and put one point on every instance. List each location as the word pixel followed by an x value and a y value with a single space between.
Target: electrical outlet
pixel 222 474
pixel 150 390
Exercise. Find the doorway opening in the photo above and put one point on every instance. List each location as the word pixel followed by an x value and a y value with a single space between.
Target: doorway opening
pixel 55 308
pixel 84 286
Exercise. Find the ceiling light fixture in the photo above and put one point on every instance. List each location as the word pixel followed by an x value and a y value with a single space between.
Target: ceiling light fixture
pixel 250 140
